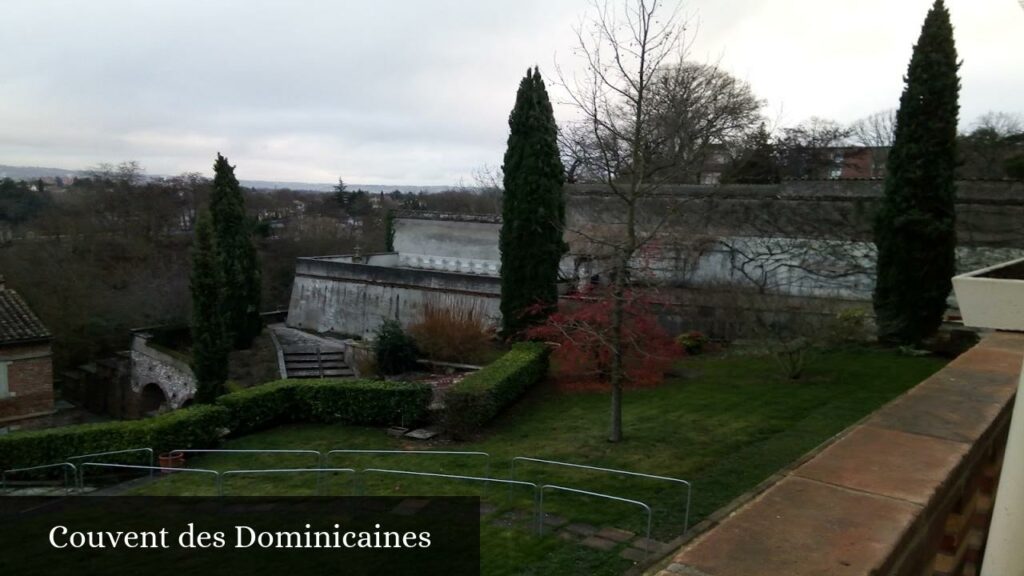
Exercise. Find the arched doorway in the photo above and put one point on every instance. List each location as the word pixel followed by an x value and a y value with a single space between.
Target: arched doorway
pixel 153 400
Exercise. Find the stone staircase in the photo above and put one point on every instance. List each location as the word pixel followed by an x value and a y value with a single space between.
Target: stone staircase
pixel 315 362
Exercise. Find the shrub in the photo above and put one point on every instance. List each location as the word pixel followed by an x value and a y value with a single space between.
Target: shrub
pixel 351 401
pixel 582 333
pixel 365 402
pixel 453 334
pixel 262 406
pixel 693 342
pixel 186 428
pixel 481 396
pixel 849 327
pixel 396 351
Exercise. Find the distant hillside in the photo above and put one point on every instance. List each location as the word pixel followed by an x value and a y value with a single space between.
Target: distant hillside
pixel 318 187
pixel 33 172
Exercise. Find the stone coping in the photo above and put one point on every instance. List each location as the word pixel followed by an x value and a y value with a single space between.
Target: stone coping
pixel 855 507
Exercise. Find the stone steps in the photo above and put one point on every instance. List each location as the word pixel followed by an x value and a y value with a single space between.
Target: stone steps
pixel 311 363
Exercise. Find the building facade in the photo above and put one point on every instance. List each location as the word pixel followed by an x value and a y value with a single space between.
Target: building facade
pixel 26 361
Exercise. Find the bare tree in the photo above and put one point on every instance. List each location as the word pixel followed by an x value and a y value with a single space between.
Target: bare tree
pixel 808 150
pixel 623 48
pixel 996 137
pixel 1003 124
pixel 876 130
pixel 700 111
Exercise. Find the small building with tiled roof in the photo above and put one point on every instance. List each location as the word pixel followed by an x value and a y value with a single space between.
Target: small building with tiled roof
pixel 26 361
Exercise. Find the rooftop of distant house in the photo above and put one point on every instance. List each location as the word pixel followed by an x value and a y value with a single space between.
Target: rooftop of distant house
pixel 18 324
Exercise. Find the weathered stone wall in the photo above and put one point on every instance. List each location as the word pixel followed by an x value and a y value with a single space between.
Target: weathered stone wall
pixel 354 299
pixel 471 239
pixel 30 381
pixel 801 238
pixel 151 366
pixel 988 212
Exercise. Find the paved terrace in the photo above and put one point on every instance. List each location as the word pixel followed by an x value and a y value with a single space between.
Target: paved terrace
pixel 908 490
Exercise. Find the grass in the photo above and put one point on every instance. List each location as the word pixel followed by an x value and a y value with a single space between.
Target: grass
pixel 726 425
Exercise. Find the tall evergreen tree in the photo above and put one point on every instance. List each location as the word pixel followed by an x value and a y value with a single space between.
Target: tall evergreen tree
pixel 915 230
pixel 239 264
pixel 533 209
pixel 210 343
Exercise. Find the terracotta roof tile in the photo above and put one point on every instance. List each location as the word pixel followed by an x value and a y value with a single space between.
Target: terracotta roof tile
pixel 17 321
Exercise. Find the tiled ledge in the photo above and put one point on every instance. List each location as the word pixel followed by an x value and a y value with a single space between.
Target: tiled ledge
pixel 882 498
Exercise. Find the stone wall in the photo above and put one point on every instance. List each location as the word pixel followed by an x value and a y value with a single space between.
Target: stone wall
pixel 30 381
pixel 802 238
pixel 908 491
pixel 173 376
pixel 421 238
pixel 353 299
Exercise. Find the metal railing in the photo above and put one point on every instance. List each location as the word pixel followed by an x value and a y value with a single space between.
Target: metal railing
pixel 71 459
pixel 63 465
pixel 540 509
pixel 686 516
pixel 510 483
pixel 318 471
pixel 151 469
pixel 487 462
pixel 319 456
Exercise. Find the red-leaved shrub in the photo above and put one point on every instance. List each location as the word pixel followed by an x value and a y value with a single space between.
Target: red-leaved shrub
pixel 581 333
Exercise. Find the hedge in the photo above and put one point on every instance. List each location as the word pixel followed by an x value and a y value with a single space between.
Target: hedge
pixel 477 399
pixel 366 402
pixel 186 428
pixel 350 401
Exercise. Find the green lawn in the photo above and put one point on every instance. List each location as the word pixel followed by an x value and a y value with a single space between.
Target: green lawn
pixel 726 426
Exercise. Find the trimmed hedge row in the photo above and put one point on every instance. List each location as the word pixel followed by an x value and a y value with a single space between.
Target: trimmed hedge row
pixel 352 401
pixel 196 426
pixel 365 402
pixel 481 396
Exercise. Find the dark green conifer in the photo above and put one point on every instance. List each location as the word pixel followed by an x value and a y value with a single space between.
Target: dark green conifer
pixel 239 263
pixel 533 209
pixel 210 344
pixel 915 229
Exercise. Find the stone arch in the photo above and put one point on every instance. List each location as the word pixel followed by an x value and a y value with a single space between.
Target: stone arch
pixel 152 399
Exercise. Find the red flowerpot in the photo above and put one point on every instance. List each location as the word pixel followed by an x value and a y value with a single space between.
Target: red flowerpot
pixel 172 460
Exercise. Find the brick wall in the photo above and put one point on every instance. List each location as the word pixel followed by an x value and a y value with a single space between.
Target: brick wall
pixel 30 381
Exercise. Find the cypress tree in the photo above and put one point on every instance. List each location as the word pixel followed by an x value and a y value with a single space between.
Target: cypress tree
pixel 533 209
pixel 915 228
pixel 239 265
pixel 209 340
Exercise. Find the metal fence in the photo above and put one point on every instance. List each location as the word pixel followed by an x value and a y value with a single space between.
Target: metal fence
pixel 151 469
pixel 686 511
pixel 319 457
pixel 485 455
pixel 224 476
pixel 510 483
pixel 322 461
pixel 540 508
pixel 68 487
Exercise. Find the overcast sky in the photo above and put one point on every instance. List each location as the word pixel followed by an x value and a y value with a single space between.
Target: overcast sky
pixel 416 91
